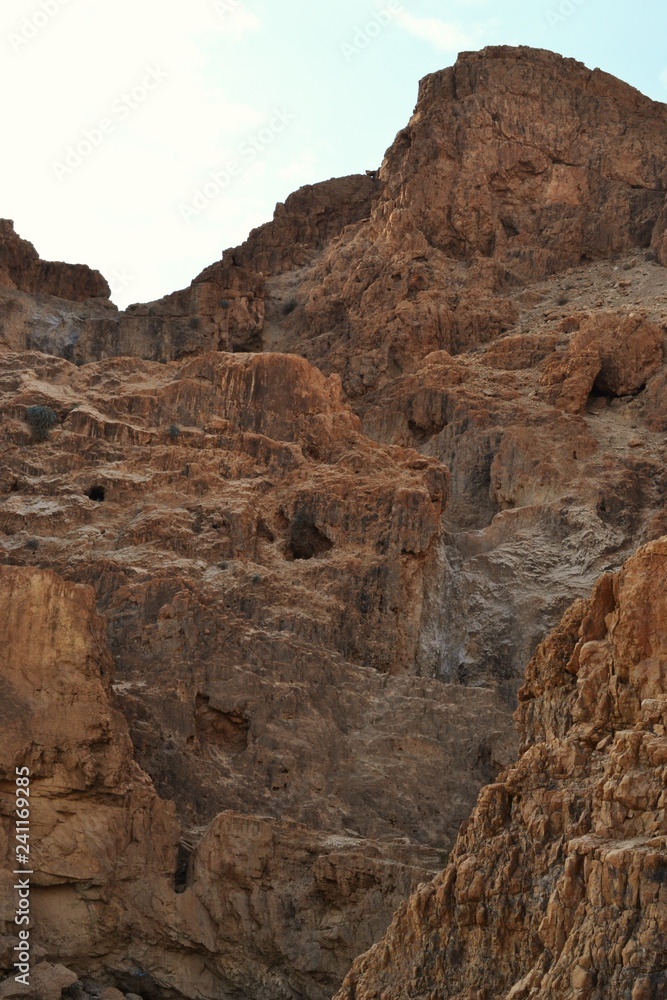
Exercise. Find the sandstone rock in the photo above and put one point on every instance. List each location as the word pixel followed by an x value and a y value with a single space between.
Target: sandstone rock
pixel 556 886
pixel 264 568
pixel 47 981
pixel 611 354
pixel 97 827
pixel 21 268
pixel 322 586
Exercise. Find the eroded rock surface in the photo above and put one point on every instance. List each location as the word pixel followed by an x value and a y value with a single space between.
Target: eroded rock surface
pixel 265 572
pixel 99 834
pixel 22 269
pixel 332 496
pixel 558 888
pixel 258 907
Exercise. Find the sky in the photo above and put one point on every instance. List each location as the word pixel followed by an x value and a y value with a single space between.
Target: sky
pixel 144 137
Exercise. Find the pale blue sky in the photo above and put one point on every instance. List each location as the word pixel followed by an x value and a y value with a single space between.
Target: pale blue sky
pixel 158 95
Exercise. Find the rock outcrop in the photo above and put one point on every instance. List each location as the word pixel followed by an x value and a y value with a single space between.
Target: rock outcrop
pixel 99 834
pixel 558 885
pixel 22 269
pixel 223 309
pixel 265 570
pixel 516 164
pixel 111 893
pixel 330 498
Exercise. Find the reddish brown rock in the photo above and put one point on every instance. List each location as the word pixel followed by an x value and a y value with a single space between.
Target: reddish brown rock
pixel 654 410
pixel 21 268
pixel 474 203
pixel 98 831
pixel 611 355
pixel 322 587
pixel 529 157
pixel 266 573
pixel 556 888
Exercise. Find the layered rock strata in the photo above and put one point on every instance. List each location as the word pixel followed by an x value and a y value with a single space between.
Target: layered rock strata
pixel 558 885
pixel 265 570
pixel 330 498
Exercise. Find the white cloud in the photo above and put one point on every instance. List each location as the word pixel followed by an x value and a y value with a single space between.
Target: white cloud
pixel 444 35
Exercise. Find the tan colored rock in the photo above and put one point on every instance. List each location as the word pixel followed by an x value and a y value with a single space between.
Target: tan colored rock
pixel 556 886
pixel 265 571
pixel 21 268
pixel 110 993
pixel 97 827
pixel 47 981
pixel 655 403
pixel 659 237
pixel 322 586
pixel 473 207
pixel 611 354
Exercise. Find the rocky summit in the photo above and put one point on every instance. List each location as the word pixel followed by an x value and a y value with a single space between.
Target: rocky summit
pixel 282 552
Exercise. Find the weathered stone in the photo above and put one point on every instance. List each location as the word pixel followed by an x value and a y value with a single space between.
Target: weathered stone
pixel 570 872
pixel 21 268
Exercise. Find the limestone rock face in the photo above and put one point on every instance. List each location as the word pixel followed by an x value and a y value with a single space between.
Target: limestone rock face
pixel 536 159
pixel 557 888
pixel 21 268
pixel 224 308
pixel 330 498
pixel 98 831
pixel 266 572
pixel 610 355
pixel 516 164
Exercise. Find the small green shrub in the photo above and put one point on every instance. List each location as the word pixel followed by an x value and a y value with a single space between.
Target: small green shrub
pixel 173 432
pixel 40 420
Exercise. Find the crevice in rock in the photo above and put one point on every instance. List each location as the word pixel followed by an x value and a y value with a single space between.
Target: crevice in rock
pixel 305 538
pixel 226 730
pixel 182 867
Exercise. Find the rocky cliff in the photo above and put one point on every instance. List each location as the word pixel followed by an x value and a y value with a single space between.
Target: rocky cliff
pixel 558 884
pixel 22 269
pixel 265 571
pixel 329 499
